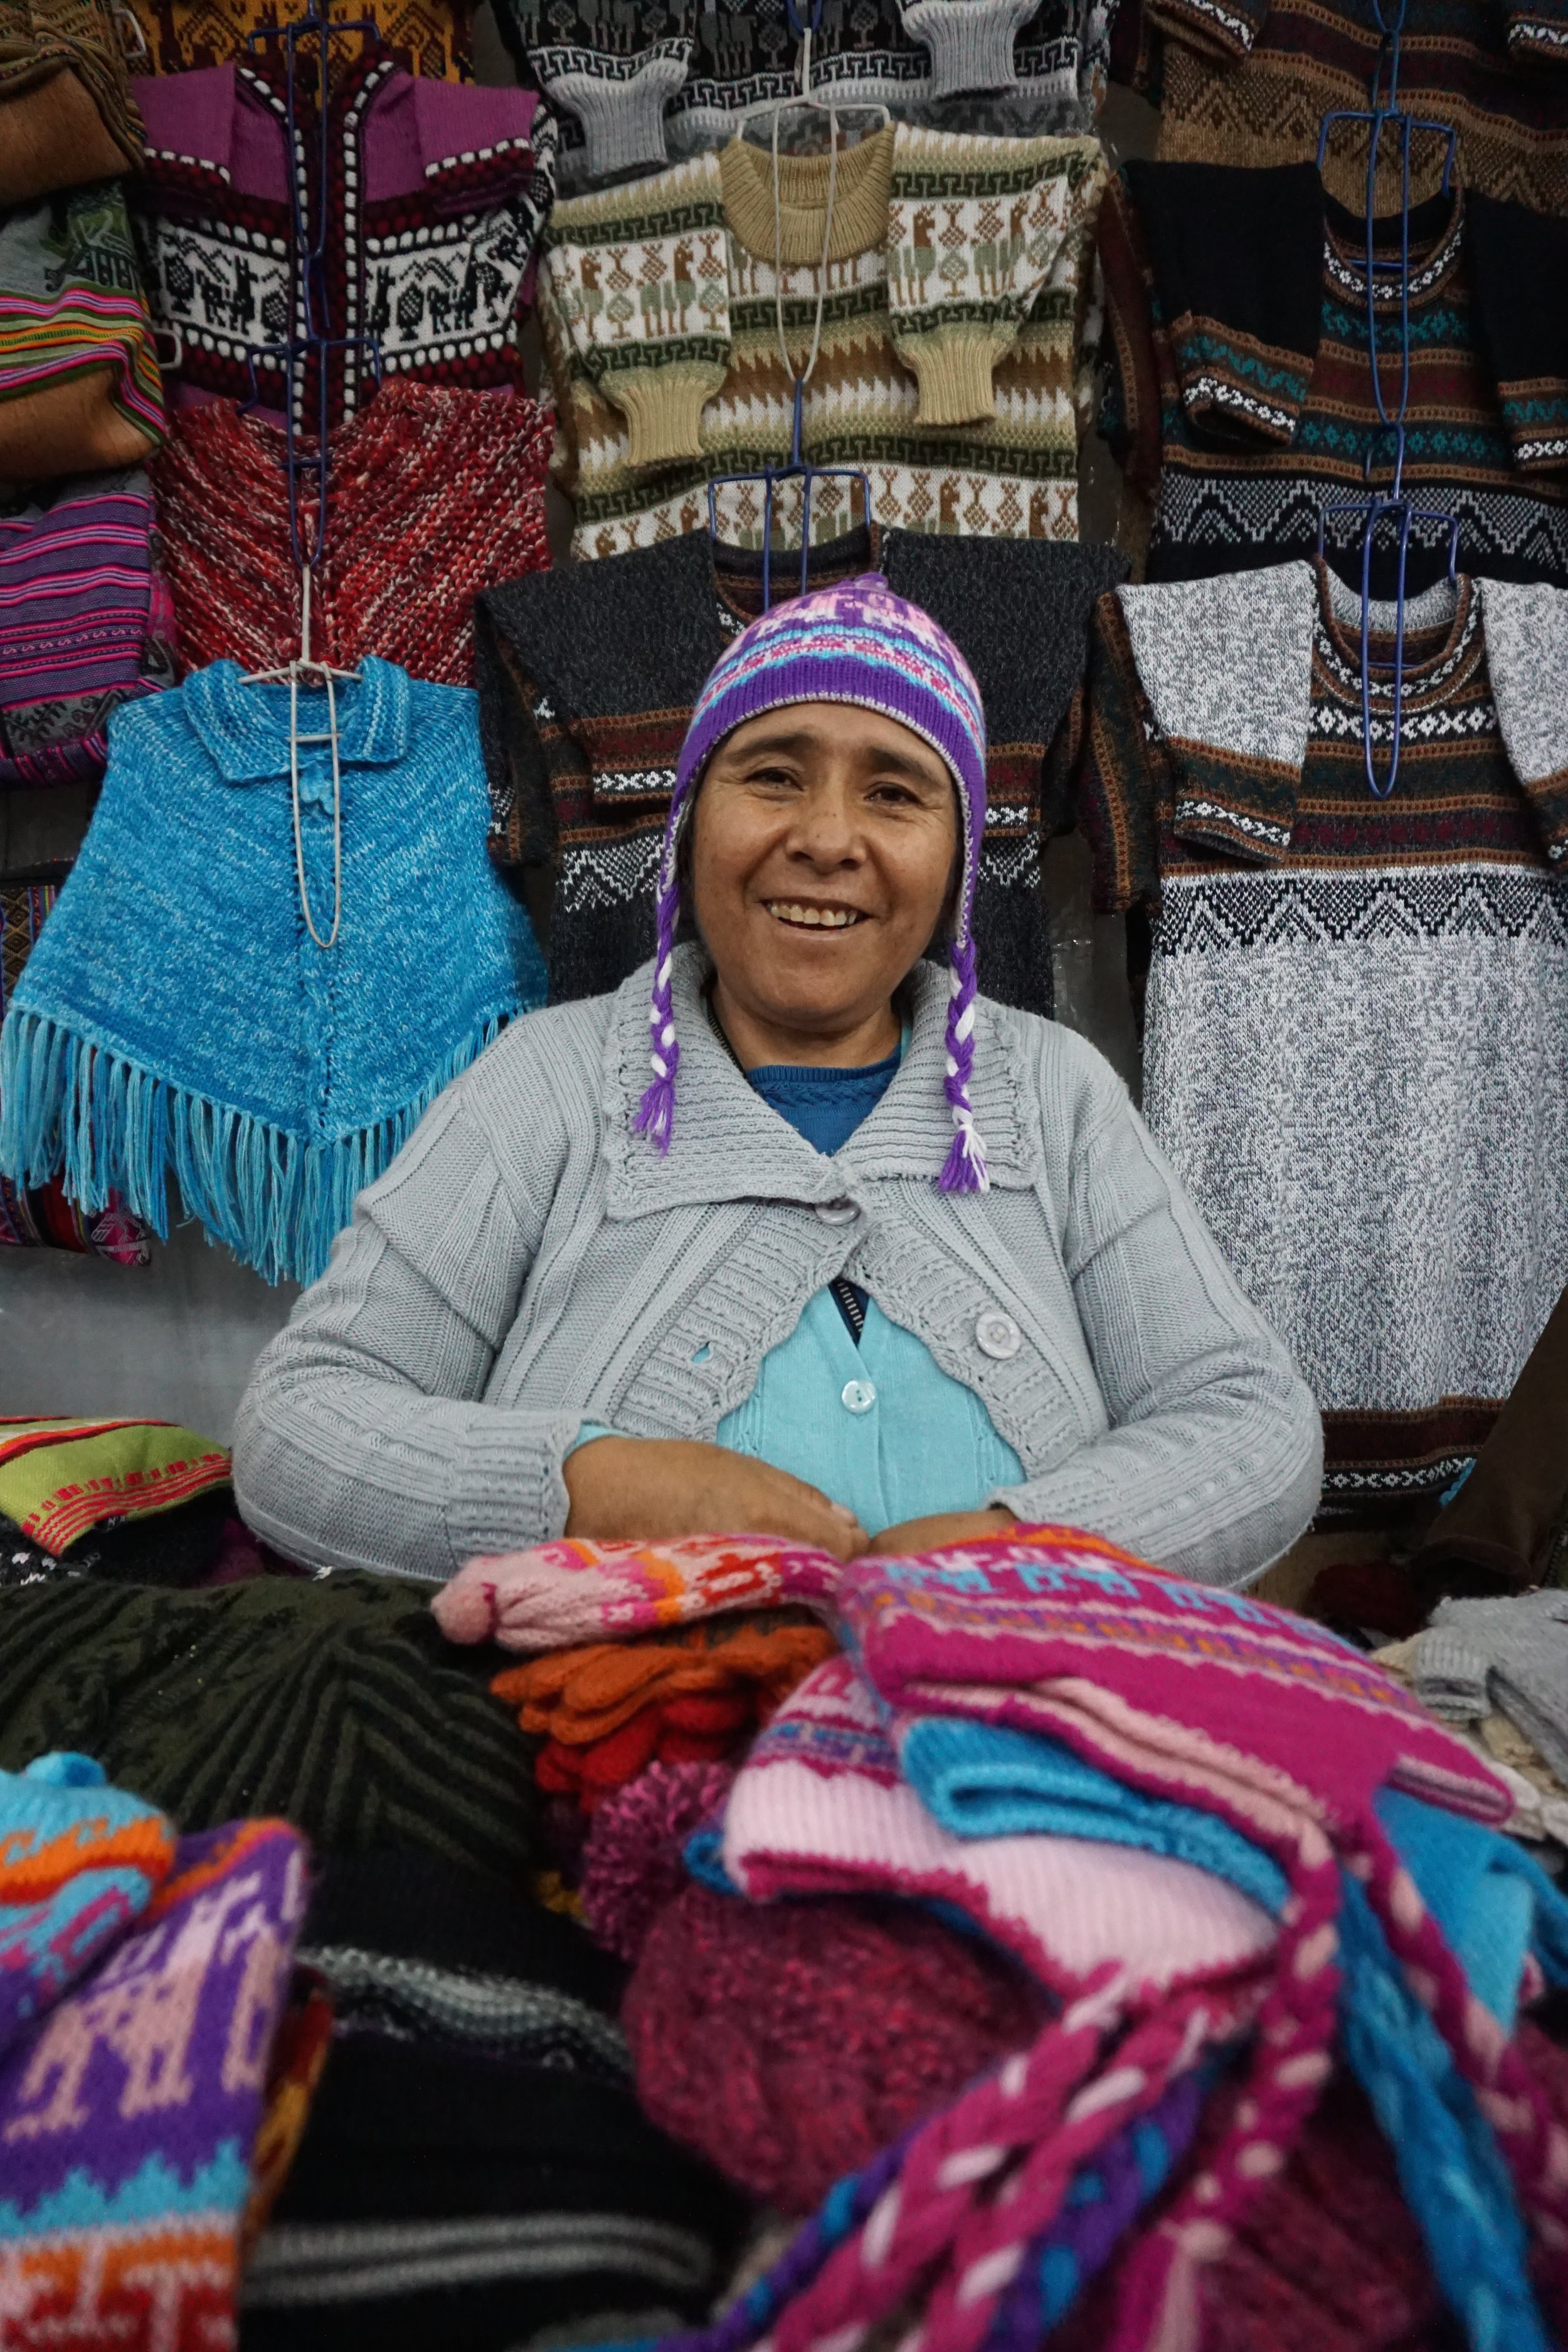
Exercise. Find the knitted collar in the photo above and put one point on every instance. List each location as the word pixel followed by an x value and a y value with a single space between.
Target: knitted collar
pixel 862 183
pixel 245 728
pixel 729 1144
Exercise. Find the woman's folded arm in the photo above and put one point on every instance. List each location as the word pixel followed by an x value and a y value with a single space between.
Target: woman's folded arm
pixel 363 1439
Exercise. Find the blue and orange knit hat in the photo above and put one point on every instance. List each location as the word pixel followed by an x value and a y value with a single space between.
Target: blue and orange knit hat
pixel 857 642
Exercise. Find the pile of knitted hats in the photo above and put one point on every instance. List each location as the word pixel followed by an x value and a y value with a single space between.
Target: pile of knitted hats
pixel 468 2162
pixel 1110 1961
pixel 155 2063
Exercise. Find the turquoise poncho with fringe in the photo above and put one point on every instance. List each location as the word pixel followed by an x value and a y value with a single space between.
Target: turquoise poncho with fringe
pixel 176 1013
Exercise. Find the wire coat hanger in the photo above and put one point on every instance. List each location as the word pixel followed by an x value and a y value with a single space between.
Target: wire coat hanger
pixel 797 469
pixel 1381 507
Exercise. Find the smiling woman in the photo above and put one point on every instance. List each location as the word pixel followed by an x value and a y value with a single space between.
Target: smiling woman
pixel 868 1261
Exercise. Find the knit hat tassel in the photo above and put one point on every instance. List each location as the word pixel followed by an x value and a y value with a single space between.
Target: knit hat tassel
pixel 106 1125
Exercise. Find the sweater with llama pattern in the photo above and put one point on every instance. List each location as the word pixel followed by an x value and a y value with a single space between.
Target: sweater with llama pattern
pixel 952 318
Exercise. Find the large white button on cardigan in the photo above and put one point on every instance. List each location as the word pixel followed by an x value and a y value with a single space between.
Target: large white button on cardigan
pixel 528 1264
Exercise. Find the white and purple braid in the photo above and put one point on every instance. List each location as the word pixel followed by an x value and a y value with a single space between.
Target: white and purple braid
pixel 855 643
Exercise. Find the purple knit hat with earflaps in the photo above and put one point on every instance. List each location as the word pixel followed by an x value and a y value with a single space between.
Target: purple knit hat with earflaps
pixel 857 642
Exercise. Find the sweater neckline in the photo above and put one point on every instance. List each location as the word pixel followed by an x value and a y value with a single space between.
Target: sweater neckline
pixel 1438 671
pixel 862 192
pixel 1436 238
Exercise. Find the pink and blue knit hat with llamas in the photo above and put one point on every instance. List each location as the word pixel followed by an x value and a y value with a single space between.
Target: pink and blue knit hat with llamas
pixel 856 643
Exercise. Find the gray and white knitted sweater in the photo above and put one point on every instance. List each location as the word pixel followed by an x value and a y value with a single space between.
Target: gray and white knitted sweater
pixel 527 1264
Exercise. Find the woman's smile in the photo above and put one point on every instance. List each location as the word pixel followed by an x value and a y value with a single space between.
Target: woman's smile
pixel 808 915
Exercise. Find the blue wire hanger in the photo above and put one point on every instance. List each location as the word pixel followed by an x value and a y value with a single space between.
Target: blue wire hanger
pixel 796 470
pixel 1383 505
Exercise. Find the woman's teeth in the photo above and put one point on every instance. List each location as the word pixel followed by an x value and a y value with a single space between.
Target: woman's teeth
pixel 827 919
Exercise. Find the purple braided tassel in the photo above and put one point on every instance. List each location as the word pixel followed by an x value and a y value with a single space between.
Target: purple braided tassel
pixel 964 1170
pixel 656 1112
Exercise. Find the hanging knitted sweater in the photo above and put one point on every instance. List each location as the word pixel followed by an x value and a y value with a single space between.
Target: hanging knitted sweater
pixel 80 390
pixel 178 1008
pixel 1248 81
pixel 1357 1019
pixel 638 85
pixel 85 625
pixel 432 493
pixel 434 200
pixel 1240 393
pixel 66 111
pixel 584 707
pixel 431 39
pixel 957 288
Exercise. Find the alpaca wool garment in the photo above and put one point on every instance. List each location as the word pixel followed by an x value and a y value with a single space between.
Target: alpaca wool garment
pixel 583 711
pixel 45 46
pixel 71 307
pixel 424 230
pixel 581 1696
pixel 554 1596
pixel 86 624
pixel 703 1727
pixel 128 2114
pixel 633 1862
pixel 433 493
pixel 819 1807
pixel 1280 1728
pixel 857 644
pixel 431 39
pixel 275 1076
pixel 1511 1653
pixel 318 1700
pixel 411 1947
pixel 788 2043
pixel 78 1862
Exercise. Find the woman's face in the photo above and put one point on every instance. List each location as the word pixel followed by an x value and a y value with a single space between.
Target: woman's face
pixel 823 846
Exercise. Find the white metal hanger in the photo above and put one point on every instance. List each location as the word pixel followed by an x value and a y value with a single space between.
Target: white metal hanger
pixel 316 677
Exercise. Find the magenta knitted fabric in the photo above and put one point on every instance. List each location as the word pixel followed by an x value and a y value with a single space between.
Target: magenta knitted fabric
pixel 819 1807
pixel 632 1863
pixel 857 642
pixel 788 2043
pixel 1250 1711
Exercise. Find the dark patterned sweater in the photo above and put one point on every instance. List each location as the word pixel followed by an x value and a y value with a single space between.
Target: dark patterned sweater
pixel 1248 81
pixel 641 85
pixel 584 705
pixel 1240 393
pixel 1357 1012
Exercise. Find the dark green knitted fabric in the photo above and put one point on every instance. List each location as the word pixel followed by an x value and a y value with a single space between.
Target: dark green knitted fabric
pixel 331 1702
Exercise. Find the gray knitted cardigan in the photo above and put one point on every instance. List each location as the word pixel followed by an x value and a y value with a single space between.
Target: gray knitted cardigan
pixel 528 1263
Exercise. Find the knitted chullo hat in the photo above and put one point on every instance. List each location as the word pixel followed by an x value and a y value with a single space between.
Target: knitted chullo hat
pixel 787 2042
pixel 857 642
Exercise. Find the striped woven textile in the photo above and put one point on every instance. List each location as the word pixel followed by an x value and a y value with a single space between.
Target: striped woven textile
pixel 61 1475
pixel 71 301
pixel 85 624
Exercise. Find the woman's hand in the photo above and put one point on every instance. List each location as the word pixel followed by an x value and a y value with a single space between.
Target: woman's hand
pixel 944 1528
pixel 657 1486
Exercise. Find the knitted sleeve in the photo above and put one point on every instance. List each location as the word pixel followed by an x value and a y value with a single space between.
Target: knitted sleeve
pixel 972 247
pixel 1221 28
pixel 363 1439
pixel 1519 271
pixel 1537 32
pixel 1107 764
pixel 1235 261
pixel 637 286
pixel 1213 1461
pixel 1130 410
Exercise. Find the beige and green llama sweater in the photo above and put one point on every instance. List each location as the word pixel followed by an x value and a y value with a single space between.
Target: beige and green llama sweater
pixel 950 371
